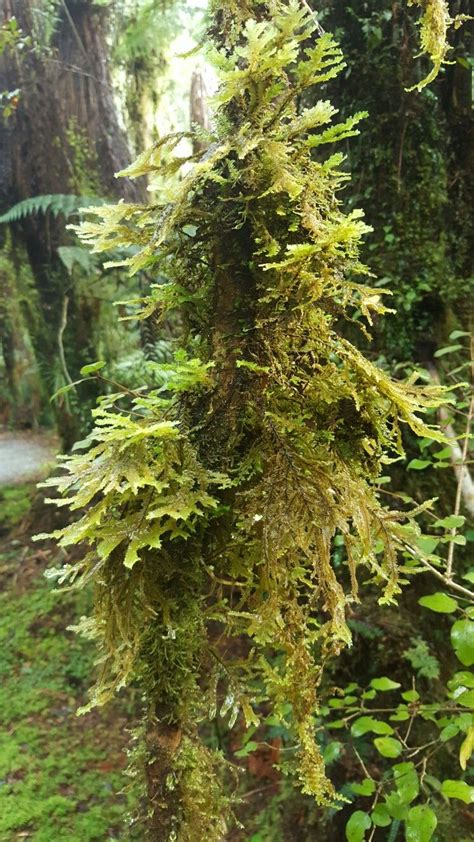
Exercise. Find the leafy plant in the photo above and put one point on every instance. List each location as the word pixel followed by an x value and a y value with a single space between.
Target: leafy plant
pixel 212 503
pixel 56 203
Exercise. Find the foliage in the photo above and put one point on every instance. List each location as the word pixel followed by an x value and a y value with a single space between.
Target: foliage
pixel 434 25
pixel 409 172
pixel 60 776
pixel 409 736
pixel 56 204
pixel 14 503
pixel 11 38
pixel 213 502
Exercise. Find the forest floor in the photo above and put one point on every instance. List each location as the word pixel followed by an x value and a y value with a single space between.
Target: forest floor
pixel 60 775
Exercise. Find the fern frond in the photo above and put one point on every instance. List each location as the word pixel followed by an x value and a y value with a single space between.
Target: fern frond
pixel 66 204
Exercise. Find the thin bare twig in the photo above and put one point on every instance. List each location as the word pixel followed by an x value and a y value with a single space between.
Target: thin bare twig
pixel 457 504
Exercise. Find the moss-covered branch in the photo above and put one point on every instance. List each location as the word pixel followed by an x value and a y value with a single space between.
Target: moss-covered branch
pixel 212 503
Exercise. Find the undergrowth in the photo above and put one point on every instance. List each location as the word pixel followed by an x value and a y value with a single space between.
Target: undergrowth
pixel 60 775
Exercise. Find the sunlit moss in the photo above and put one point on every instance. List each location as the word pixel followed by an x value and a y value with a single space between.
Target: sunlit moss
pixel 212 502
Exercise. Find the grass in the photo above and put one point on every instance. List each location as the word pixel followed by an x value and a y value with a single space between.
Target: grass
pixel 60 775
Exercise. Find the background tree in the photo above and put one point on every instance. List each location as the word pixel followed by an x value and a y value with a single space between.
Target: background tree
pixel 62 138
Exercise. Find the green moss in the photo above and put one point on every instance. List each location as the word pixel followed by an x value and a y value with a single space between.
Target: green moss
pixel 15 501
pixel 211 504
pixel 59 775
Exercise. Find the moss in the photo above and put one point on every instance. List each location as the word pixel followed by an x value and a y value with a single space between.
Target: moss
pixel 213 502
pixel 60 776
pixel 14 503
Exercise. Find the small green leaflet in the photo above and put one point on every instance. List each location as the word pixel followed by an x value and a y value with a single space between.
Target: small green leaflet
pixel 458 789
pixel 358 823
pixel 367 787
pixel 384 684
pixel 406 780
pixel 247 749
pixel 380 816
pixel 439 602
pixel 365 724
pixel 450 522
pixel 411 695
pixel 449 349
pixel 420 824
pixel 419 464
pixel 92 367
pixel 462 638
pixel 388 746
pixel 65 389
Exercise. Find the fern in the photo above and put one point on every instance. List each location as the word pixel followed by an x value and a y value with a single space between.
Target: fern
pixel 54 203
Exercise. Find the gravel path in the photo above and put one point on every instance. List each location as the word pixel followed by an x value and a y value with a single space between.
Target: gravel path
pixel 25 457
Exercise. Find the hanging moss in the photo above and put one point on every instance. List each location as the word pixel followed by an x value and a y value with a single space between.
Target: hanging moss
pixel 435 23
pixel 211 503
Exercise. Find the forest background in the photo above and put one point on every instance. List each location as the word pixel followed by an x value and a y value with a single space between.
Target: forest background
pixel 85 86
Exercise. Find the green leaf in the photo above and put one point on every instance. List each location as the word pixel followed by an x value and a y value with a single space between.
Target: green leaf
pixel 65 389
pixel 69 255
pixel 383 684
pixel 367 787
pixel 380 816
pixel 448 732
pixel 406 781
pixel 358 823
pixel 449 349
pixel 332 752
pixel 247 749
pixel 463 678
pixel 419 464
pixel 420 824
pixel 462 638
pixel 450 522
pixel 439 602
pixel 396 806
pixel 92 367
pixel 458 789
pixel 401 715
pixel 457 334
pixel 469 577
pixel 443 454
pixel 369 694
pixel 365 724
pixel 427 543
pixel 388 746
pixel 466 699
pixel 411 695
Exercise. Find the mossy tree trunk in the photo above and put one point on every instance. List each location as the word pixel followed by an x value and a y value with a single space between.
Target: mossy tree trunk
pixel 219 496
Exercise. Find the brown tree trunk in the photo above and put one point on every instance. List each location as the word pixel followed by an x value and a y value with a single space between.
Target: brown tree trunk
pixel 64 138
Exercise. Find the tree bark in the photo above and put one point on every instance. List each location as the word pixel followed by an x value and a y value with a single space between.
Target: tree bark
pixel 64 137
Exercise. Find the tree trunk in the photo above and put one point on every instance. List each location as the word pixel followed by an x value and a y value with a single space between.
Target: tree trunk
pixel 64 138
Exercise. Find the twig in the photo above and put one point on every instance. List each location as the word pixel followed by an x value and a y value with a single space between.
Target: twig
pixel 364 767
pixel 441 576
pixel 62 328
pixel 457 504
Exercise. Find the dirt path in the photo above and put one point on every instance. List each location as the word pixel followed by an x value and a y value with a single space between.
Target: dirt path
pixel 25 457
